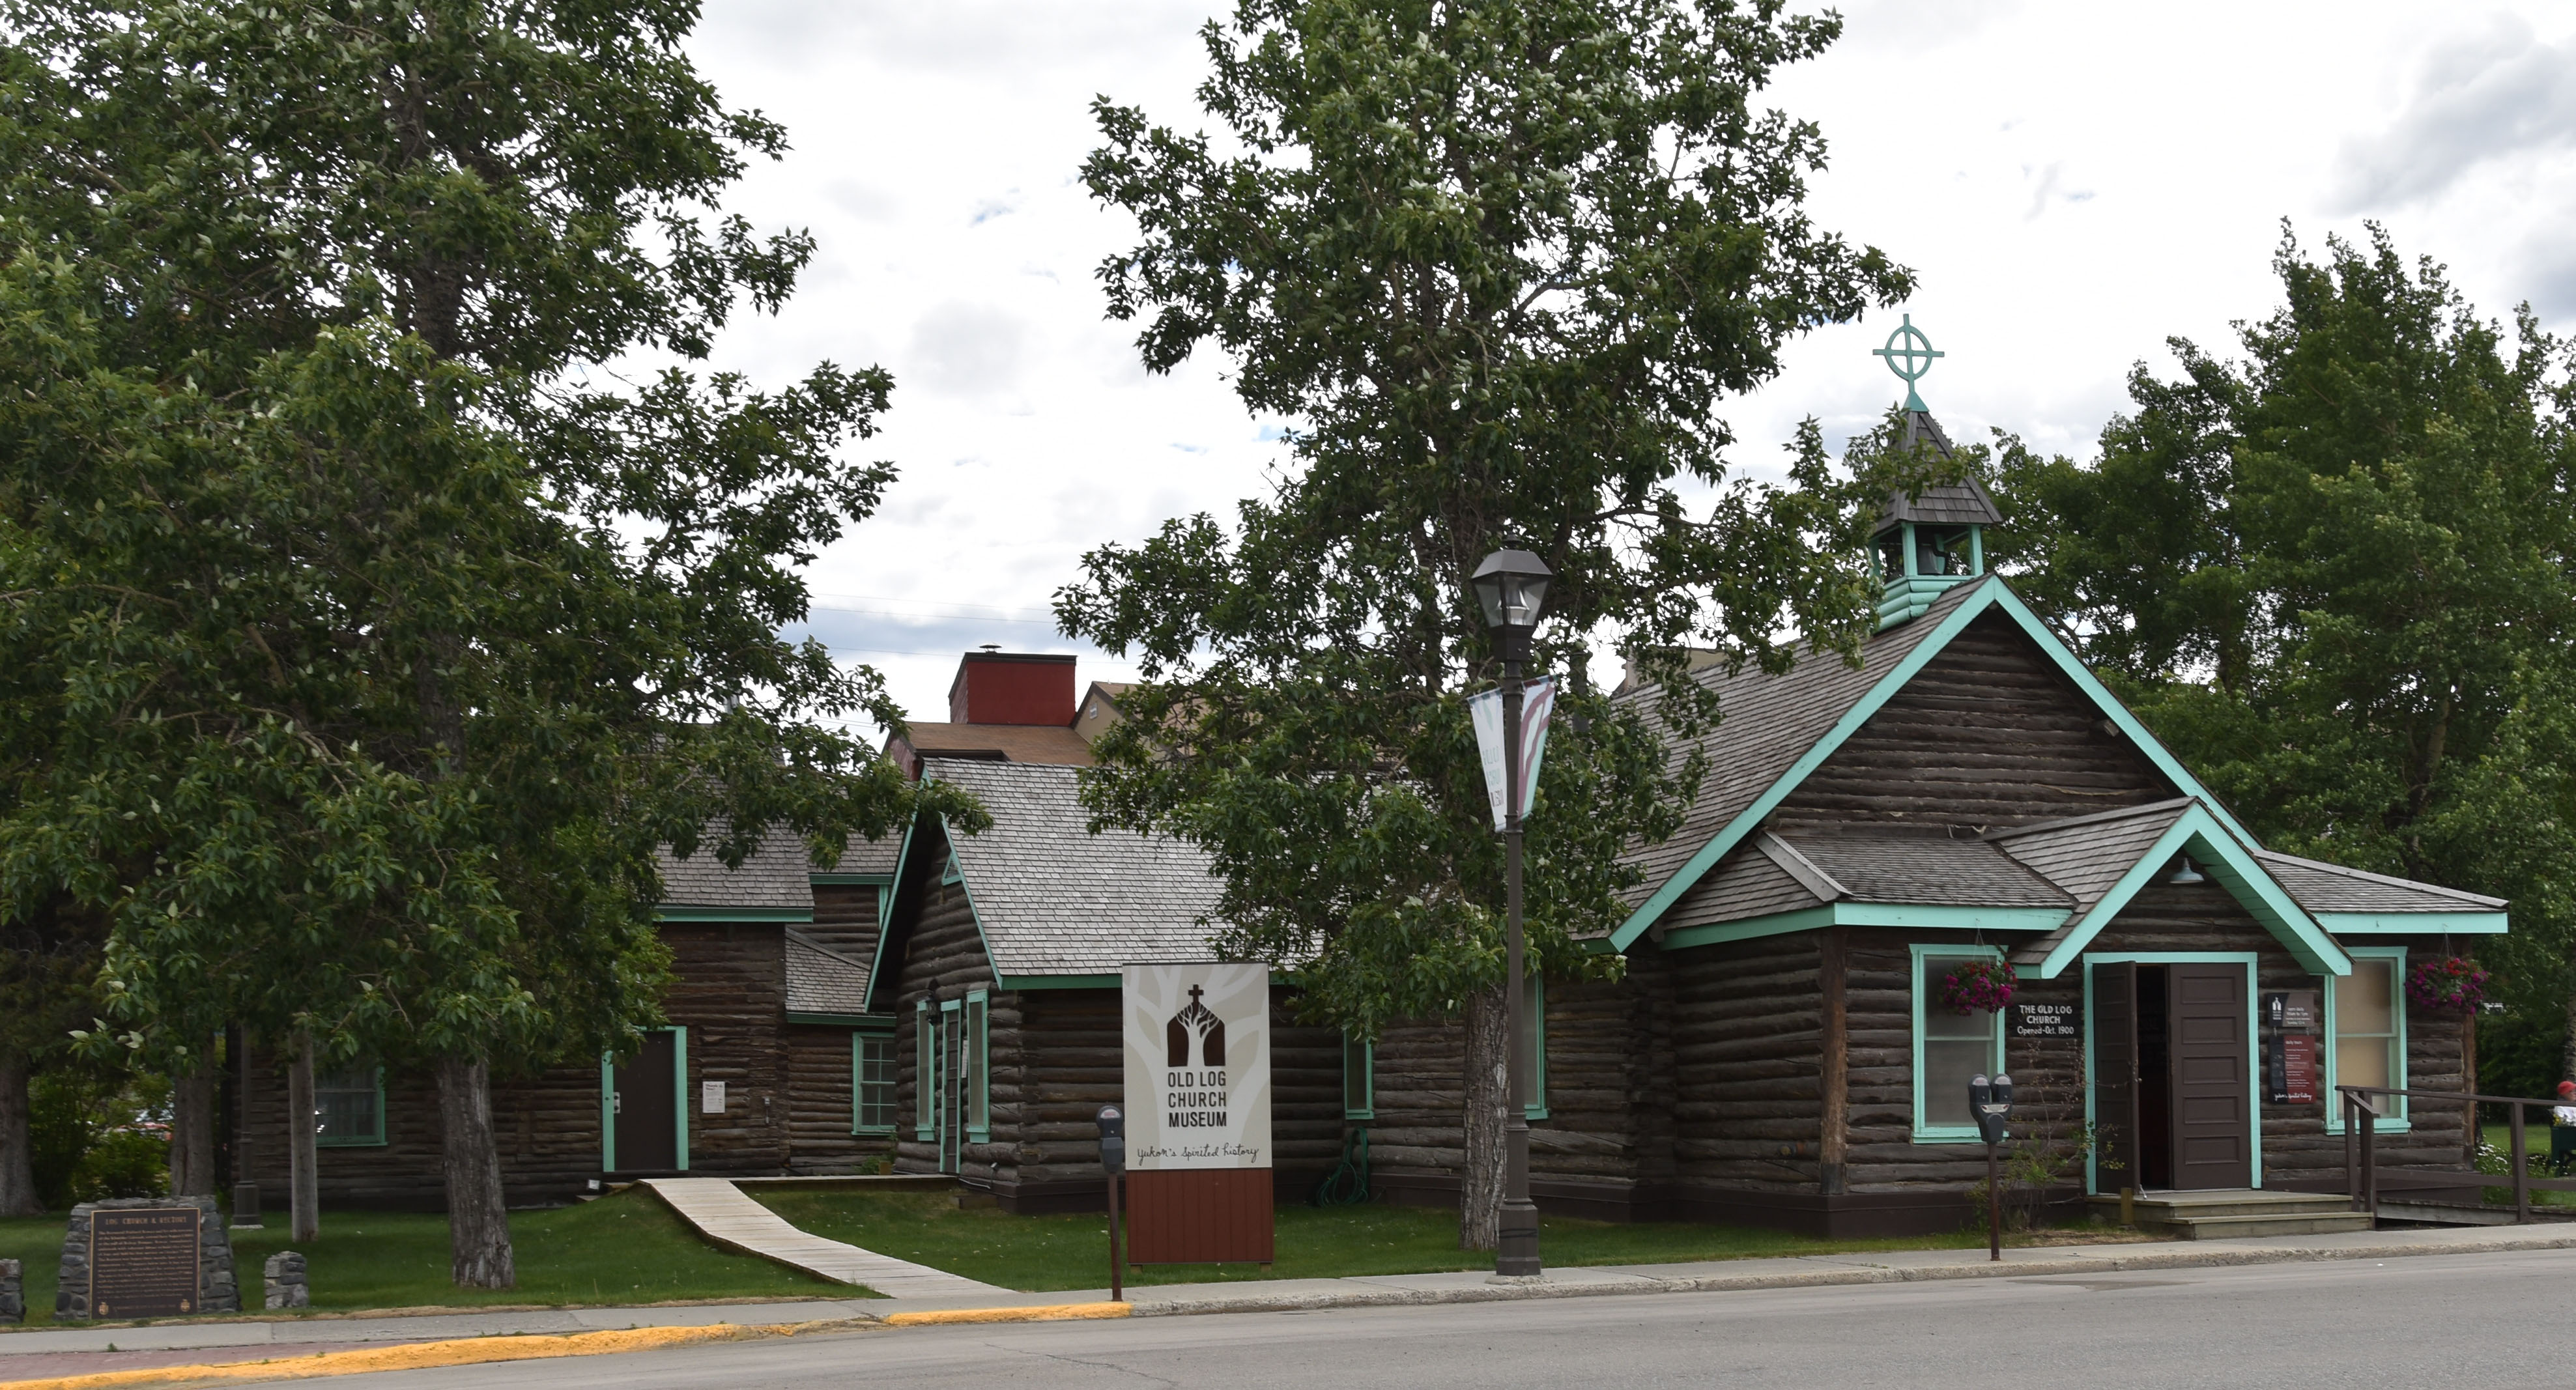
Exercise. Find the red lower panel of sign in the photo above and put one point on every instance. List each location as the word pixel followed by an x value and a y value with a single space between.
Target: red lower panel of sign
pixel 1199 1216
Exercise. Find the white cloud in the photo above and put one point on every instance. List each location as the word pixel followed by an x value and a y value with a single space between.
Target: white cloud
pixel 2479 97
pixel 1027 433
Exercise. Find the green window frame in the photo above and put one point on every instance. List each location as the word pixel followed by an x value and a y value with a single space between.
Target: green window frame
pixel 872 1082
pixel 2358 1018
pixel 1359 1078
pixel 925 1072
pixel 1942 1041
pixel 349 1108
pixel 975 1048
pixel 1534 1008
pixel 952 873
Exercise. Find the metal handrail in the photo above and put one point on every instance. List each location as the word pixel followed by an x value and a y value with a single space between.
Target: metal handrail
pixel 2361 1147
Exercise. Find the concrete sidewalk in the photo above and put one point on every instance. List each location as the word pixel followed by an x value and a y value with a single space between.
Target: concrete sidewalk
pixel 719 1211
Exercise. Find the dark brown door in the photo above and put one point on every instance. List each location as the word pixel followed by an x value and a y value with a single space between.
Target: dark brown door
pixel 2213 1060
pixel 2115 1076
pixel 645 1105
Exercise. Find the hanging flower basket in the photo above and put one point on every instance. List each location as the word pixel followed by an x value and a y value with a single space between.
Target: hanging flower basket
pixel 1974 985
pixel 2454 984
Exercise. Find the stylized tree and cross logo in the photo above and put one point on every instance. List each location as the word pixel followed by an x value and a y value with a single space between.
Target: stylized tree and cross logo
pixel 1199 1021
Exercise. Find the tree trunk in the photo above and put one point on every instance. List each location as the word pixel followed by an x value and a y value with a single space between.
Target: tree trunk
pixel 192 1131
pixel 1480 1189
pixel 17 1154
pixel 304 1221
pixel 478 1224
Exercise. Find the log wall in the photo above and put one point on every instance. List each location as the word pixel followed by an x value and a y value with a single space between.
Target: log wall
pixel 1988 734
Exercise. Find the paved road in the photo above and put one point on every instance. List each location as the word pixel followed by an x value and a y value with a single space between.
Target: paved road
pixel 2497 1321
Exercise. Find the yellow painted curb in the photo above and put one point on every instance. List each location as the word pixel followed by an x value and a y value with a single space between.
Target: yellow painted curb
pixel 1052 1312
pixel 423 1356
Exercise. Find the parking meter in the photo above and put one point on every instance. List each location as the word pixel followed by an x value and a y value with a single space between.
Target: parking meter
pixel 1991 1103
pixel 1113 1140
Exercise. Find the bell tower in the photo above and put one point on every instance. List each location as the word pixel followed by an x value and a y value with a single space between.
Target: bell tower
pixel 1926 543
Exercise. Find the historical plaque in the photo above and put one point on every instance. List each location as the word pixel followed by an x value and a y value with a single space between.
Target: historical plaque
pixel 143 1262
pixel 2293 1026
pixel 2044 1021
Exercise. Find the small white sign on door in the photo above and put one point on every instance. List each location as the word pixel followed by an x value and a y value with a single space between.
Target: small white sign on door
pixel 1198 1066
pixel 711 1100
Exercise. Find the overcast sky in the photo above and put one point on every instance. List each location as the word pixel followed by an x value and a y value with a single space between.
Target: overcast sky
pixel 2073 183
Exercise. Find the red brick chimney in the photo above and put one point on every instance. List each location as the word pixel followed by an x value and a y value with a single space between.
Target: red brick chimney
pixel 997 687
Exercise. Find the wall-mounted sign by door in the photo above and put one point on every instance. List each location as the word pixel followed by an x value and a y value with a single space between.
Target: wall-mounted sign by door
pixel 1198 1112
pixel 2293 1028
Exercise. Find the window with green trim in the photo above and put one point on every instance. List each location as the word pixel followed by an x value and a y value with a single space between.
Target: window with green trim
pixel 1534 1008
pixel 872 1083
pixel 2366 1031
pixel 349 1107
pixel 952 874
pixel 1359 1078
pixel 925 1073
pixel 974 1050
pixel 1950 1047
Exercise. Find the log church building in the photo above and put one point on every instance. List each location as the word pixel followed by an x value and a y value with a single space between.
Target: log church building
pixel 1788 1043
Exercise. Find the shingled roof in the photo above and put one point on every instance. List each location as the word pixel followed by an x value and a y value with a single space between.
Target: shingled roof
pixel 821 980
pixel 1767 723
pixel 1928 870
pixel 2322 887
pixel 773 877
pixel 2087 856
pixel 1055 899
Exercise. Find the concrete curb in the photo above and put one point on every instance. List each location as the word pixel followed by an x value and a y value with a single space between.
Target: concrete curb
pixel 1052 1312
pixel 414 1356
pixel 2148 1258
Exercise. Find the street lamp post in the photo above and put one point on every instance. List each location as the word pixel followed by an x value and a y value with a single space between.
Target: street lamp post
pixel 1512 586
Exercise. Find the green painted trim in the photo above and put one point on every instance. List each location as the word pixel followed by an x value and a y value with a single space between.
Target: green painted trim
pixel 1850 914
pixel 873 1023
pixel 2253 1034
pixel 925 1074
pixel 939 1106
pixel 977 1024
pixel 824 879
pixel 680 1089
pixel 2413 923
pixel 953 873
pixel 732 914
pixel 885 911
pixel 2401 1122
pixel 859 1040
pixel 1535 1108
pixel 1990 593
pixel 1751 816
pixel 1367 1108
pixel 1012 982
pixel 1915 952
pixel 374 1141
pixel 607 1112
pixel 2198 832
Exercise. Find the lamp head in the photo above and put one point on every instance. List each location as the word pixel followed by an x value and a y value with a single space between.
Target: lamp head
pixel 2185 873
pixel 1512 586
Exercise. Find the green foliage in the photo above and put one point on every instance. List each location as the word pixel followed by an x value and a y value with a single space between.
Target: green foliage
pixel 2333 577
pixel 1498 264
pixel 363 639
pixel 98 1135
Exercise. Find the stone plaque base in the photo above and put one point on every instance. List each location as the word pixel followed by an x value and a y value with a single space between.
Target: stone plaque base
pixel 146 1257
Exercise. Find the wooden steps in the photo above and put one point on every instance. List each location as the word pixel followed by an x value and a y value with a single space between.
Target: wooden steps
pixel 2224 1214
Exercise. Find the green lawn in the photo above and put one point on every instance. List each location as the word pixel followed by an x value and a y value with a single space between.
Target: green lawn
pixel 623 1248
pixel 1072 1252
pixel 2536 1138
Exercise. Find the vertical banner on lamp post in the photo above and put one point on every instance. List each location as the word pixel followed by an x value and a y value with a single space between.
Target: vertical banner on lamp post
pixel 1538 701
pixel 1198 1112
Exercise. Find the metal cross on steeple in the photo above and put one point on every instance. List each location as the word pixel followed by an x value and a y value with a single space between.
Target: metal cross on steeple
pixel 1909 361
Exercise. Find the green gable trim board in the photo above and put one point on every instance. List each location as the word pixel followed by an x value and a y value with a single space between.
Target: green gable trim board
pixel 883 1023
pixel 885 909
pixel 2198 833
pixel 1984 594
pixel 731 914
pixel 1059 982
pixel 821 879
pixel 2412 923
pixel 1851 914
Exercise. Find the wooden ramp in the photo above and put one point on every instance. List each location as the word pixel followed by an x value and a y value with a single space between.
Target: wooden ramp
pixel 722 1214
